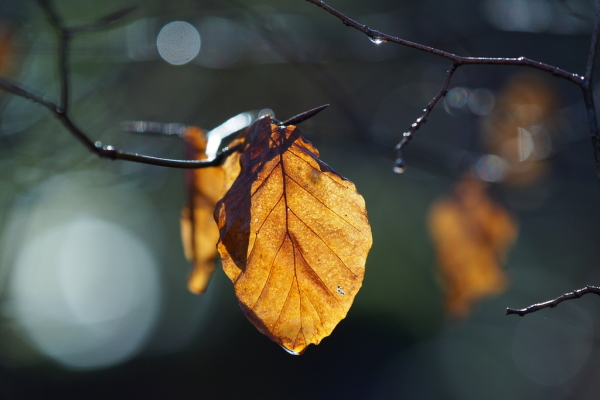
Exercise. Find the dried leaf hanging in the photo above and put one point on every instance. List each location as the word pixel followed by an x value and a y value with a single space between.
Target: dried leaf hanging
pixel 294 238
pixel 471 234
pixel 205 187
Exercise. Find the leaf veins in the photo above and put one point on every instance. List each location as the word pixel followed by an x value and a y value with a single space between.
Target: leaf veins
pixel 294 238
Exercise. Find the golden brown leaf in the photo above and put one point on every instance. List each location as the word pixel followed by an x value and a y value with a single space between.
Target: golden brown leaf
pixel 205 186
pixel 471 234
pixel 294 238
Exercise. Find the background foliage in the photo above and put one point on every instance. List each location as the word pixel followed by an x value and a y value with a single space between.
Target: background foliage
pixel 92 273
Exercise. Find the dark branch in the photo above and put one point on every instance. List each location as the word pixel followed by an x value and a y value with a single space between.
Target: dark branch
pixel 60 111
pixel 63 53
pixel 584 82
pixel 112 153
pixel 27 93
pixel 588 92
pixel 588 98
pixel 459 60
pixel 589 71
pixel 553 303
pixel 407 136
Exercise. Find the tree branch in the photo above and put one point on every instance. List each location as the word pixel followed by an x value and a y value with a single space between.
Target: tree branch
pixel 588 91
pixel 584 82
pixel 60 110
pixel 399 166
pixel 553 303
pixel 459 60
pixel 28 93
pixel 589 71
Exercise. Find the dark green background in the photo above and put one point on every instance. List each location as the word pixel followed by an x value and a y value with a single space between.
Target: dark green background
pixel 292 56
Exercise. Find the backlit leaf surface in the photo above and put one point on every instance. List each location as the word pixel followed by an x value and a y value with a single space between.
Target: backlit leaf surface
pixel 472 234
pixel 205 187
pixel 294 238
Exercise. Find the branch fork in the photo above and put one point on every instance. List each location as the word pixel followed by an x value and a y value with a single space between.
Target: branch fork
pixel 584 82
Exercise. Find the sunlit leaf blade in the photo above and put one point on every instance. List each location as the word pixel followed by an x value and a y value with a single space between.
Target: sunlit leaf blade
pixel 294 238
pixel 472 234
pixel 205 187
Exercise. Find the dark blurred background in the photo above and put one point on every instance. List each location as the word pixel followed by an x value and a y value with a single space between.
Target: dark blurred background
pixel 93 296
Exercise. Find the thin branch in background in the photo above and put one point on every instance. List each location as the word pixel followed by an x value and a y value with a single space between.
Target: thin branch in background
pixel 553 303
pixel 30 94
pixel 64 42
pixel 379 37
pixel 584 82
pixel 588 91
pixel 399 166
pixel 61 109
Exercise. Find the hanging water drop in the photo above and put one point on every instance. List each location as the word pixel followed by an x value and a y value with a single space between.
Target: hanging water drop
pixel 377 40
pixel 399 166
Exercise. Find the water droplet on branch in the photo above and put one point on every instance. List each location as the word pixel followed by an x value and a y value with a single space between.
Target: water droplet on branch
pixel 399 167
pixel 377 40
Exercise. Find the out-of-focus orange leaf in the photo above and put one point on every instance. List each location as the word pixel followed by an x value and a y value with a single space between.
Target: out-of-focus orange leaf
pixel 205 187
pixel 471 234
pixel 294 238
pixel 519 129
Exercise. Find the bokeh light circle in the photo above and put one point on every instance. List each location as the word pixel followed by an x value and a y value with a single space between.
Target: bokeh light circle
pixel 481 101
pixel 551 348
pixel 86 292
pixel 490 168
pixel 178 42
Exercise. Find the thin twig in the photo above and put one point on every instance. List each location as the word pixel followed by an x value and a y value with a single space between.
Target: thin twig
pixel 459 60
pixel 553 303
pixel 584 82
pixel 28 93
pixel 63 53
pixel 60 110
pixel 407 136
pixel 588 91
pixel 589 71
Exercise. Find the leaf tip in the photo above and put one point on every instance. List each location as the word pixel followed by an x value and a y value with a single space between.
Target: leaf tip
pixel 199 278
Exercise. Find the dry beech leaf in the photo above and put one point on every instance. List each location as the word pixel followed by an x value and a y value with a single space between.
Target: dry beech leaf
pixel 294 238
pixel 205 187
pixel 471 234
